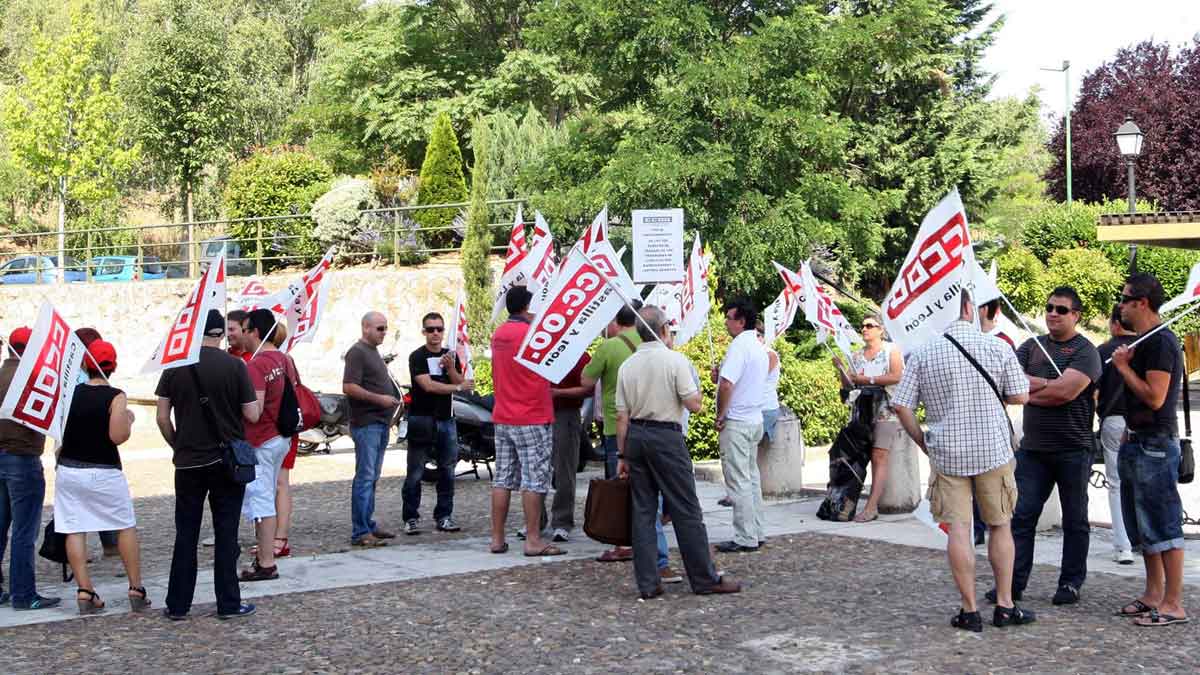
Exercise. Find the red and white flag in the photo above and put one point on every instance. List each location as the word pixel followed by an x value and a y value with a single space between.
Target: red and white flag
pixel 667 298
pixel 1190 294
pixel 540 265
pixel 39 396
pixel 516 268
pixel 310 297
pixel 586 295
pixel 596 232
pixel 247 299
pixel 694 301
pixel 924 300
pixel 460 340
pixel 824 315
pixel 778 316
pixel 181 346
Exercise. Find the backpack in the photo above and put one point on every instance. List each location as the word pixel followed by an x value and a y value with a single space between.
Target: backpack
pixel 299 409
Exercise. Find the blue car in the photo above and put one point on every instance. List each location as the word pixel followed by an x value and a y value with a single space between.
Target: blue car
pixel 32 269
pixel 125 268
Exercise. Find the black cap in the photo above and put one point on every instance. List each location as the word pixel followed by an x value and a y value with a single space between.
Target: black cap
pixel 215 325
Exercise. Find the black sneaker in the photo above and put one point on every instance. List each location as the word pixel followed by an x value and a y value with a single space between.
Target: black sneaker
pixel 968 621
pixel 410 527
pixel 1012 616
pixel 1066 595
pixel 991 596
pixel 38 602
pixel 734 547
pixel 245 609
pixel 4 598
pixel 448 525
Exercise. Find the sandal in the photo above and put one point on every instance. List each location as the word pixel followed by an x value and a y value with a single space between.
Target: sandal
pixel 91 604
pixel 616 555
pixel 1156 619
pixel 968 621
pixel 1140 609
pixel 259 573
pixel 550 549
pixel 280 551
pixel 864 518
pixel 140 601
pixel 502 548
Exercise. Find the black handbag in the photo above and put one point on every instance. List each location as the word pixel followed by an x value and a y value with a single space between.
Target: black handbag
pixel 54 549
pixel 236 454
pixel 1187 461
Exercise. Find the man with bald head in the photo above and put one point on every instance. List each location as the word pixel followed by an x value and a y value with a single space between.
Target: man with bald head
pixel 372 395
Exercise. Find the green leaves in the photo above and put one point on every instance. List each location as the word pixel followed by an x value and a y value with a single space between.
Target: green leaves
pixel 442 182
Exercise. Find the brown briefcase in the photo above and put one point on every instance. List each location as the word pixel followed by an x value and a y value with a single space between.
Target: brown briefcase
pixel 607 512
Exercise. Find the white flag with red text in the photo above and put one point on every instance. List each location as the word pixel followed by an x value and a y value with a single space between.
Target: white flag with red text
pixel 310 297
pixel 824 315
pixel 596 232
pixel 1190 294
pixel 460 340
pixel 39 396
pixel 588 292
pixel 667 298
pixel 924 300
pixel 694 301
pixel 516 269
pixel 181 346
pixel 778 316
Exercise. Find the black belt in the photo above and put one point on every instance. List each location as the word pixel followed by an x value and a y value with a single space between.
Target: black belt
pixel 1151 434
pixel 673 426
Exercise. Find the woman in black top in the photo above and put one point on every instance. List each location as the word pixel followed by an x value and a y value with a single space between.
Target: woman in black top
pixel 90 491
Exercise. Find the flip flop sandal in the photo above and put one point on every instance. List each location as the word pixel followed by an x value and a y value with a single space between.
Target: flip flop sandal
pixel 1140 609
pixel 547 551
pixel 502 548
pixel 90 605
pixel 1156 619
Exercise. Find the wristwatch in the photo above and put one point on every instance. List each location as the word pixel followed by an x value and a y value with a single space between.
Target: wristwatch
pixel 871 379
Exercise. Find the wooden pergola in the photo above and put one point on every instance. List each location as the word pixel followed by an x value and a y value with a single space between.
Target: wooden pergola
pixel 1172 229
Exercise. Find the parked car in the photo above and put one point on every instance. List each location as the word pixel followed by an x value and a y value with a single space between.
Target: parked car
pixel 235 265
pixel 125 268
pixel 32 269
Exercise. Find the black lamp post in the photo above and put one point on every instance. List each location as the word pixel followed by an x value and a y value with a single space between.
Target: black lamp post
pixel 1129 141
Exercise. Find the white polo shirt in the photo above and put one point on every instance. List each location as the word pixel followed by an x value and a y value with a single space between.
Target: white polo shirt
pixel 745 366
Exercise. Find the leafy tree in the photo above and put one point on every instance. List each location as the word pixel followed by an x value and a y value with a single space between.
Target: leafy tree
pixel 1090 273
pixel 477 272
pixel 276 182
pixel 442 182
pixel 63 123
pixel 1020 276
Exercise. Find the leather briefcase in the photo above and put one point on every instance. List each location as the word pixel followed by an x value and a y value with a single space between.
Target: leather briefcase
pixel 608 511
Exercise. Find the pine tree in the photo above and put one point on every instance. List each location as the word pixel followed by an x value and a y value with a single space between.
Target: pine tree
pixel 477 273
pixel 442 182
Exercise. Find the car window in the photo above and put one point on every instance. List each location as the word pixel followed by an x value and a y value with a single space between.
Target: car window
pixel 14 266
pixel 213 248
pixel 72 264
pixel 109 266
pixel 150 265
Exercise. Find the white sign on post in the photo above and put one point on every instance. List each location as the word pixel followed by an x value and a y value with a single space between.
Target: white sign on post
pixel 658 246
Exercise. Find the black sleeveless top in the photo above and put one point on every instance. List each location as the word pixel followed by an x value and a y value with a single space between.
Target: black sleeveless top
pixel 86 436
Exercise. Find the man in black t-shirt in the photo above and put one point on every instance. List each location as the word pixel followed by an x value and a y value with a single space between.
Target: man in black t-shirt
pixel 436 376
pixel 199 469
pixel 1056 446
pixel 1149 459
pixel 1110 409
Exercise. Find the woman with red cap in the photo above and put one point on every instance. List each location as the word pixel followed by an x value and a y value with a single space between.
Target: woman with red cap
pixel 90 491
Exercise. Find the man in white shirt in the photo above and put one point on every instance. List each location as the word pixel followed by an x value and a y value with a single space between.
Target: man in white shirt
pixel 741 385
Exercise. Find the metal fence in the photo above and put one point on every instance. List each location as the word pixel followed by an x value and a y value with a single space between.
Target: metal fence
pixel 252 246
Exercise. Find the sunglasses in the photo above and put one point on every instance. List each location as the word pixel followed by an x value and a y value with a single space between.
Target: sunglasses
pixel 1130 298
pixel 434 329
pixel 382 329
pixel 1060 310
pixel 870 325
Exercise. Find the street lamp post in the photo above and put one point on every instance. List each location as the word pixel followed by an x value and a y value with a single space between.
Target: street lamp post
pixel 1129 142
pixel 1066 71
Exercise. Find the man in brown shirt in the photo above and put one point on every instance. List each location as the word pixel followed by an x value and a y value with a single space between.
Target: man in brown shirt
pixel 22 489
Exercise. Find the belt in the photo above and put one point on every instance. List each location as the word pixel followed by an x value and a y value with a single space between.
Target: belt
pixel 674 426
pixel 1150 434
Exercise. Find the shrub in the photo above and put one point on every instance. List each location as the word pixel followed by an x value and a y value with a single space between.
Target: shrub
pixel 483 371
pixel 477 274
pixel 442 182
pixel 276 182
pixel 338 218
pixel 1057 226
pixel 1019 274
pixel 810 389
pixel 1090 273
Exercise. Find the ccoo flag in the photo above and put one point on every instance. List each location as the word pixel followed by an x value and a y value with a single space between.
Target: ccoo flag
pixel 39 396
pixel 181 347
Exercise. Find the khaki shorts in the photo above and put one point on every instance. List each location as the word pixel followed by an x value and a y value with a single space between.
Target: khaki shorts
pixel 888 435
pixel 996 492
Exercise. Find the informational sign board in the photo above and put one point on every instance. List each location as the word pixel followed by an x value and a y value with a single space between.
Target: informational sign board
pixel 658 246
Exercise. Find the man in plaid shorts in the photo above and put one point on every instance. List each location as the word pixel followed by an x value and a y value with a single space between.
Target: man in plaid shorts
pixel 523 415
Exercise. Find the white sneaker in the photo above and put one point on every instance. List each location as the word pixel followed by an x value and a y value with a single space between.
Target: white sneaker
pixel 1123 557
pixel 561 535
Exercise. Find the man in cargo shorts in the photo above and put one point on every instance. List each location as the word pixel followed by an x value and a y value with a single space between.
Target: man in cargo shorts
pixel 970 450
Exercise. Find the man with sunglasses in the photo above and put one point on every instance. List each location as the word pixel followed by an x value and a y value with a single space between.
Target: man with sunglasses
pixel 436 376
pixel 1149 458
pixel 1056 446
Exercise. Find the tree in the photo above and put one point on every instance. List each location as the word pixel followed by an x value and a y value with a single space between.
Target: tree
pixel 1093 276
pixel 180 85
pixel 64 125
pixel 442 182
pixel 1157 87
pixel 476 270
pixel 276 182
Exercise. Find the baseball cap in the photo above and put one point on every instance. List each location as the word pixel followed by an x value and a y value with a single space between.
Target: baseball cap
pixel 20 337
pixel 105 355
pixel 214 325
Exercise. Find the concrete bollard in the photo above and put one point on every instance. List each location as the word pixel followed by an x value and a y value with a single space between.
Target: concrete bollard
pixel 781 462
pixel 903 490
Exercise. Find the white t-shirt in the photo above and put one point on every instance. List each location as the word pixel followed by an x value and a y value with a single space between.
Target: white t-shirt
pixel 745 366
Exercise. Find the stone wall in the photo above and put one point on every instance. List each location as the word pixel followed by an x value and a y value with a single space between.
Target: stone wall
pixel 134 316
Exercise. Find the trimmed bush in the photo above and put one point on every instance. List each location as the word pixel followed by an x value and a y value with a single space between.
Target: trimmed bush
pixel 1090 273
pixel 339 220
pixel 276 182
pixel 1019 274
pixel 442 182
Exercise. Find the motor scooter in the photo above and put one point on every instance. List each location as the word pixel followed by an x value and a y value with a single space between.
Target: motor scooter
pixel 335 416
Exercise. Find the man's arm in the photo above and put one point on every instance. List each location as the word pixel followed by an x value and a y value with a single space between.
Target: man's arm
pixel 162 416
pixel 587 385
pixel 694 402
pixel 432 386
pixel 1153 390
pixel 1058 391
pixel 908 420
pixel 252 411
pixel 724 393
pixel 622 430
pixel 358 393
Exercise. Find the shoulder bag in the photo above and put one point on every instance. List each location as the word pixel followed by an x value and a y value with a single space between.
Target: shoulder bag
pixel 607 512
pixel 1012 434
pixel 236 455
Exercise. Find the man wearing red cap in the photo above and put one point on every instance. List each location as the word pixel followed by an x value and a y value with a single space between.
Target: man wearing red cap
pixel 22 488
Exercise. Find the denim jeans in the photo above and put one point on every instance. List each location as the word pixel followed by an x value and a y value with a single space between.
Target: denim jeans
pixel 1150 501
pixel 370 441
pixel 429 437
pixel 192 486
pixel 1037 474
pixel 22 489
pixel 610 457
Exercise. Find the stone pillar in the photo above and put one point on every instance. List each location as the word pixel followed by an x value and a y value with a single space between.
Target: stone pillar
pixel 903 490
pixel 781 461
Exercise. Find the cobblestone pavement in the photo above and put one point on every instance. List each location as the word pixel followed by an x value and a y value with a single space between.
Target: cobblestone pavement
pixel 814 602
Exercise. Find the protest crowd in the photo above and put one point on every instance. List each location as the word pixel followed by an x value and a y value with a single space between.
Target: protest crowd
pixel 231 402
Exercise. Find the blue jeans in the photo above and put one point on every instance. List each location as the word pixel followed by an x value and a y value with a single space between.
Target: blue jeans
pixel 369 443
pixel 1150 505
pixel 22 489
pixel 1037 474
pixel 429 437
pixel 610 457
pixel 662 536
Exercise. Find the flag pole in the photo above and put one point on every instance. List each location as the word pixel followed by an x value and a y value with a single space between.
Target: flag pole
pixel 1030 330
pixel 1194 307
pixel 267 336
